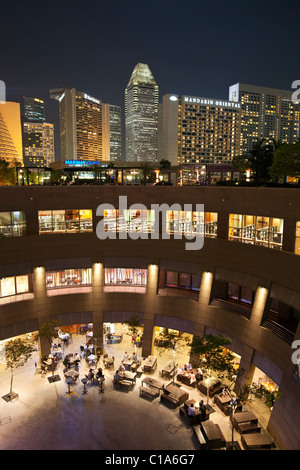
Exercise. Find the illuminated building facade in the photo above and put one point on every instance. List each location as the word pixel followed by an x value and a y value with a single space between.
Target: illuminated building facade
pixel 34 110
pixel 84 125
pixel 266 113
pixel 38 144
pixel 11 132
pixel 195 130
pixel 141 115
pixel 112 133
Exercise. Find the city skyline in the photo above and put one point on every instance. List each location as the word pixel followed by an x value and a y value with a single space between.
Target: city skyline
pixel 221 48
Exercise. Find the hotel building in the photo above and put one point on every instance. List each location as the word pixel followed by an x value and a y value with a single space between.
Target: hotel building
pixel 87 126
pixel 266 113
pixel 11 132
pixel 141 115
pixel 195 130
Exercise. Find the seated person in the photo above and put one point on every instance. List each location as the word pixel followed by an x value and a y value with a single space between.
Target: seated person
pixel 135 357
pixel 192 378
pixel 117 376
pixel 189 366
pixel 180 372
pixel 199 374
pixel 121 367
pixel 99 373
pixel 90 375
pixel 191 410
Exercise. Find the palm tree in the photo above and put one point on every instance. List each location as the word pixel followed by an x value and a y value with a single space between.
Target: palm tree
pixel 259 160
pixel 146 171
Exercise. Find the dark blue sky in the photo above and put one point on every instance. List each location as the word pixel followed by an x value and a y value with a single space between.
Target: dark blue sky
pixel 192 47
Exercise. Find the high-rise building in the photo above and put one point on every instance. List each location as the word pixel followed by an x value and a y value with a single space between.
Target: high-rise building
pixel 85 126
pixel 112 132
pixel 11 133
pixel 38 144
pixel 38 135
pixel 34 109
pixel 195 130
pixel 266 113
pixel 141 115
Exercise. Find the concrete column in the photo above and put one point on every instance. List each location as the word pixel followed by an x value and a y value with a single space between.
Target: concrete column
pixel 259 306
pixel 97 304
pixel 223 225
pixel 149 311
pixel 40 305
pixel 289 235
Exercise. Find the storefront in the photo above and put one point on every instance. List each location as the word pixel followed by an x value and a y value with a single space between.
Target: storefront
pixel 65 221
pixel 256 230
pixel 12 224
pixel 13 288
pixel 125 280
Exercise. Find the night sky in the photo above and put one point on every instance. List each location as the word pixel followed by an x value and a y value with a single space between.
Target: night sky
pixel 192 47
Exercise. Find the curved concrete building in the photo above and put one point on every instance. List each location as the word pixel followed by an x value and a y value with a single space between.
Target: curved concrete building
pixel 243 283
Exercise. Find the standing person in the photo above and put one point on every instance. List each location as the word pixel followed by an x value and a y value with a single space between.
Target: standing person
pixel 203 410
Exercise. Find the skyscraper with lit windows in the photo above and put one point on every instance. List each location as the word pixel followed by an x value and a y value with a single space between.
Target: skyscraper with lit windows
pixel 195 130
pixel 266 113
pixel 85 126
pixel 141 115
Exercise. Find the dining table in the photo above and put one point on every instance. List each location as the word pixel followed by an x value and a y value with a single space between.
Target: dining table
pixel 150 364
pixel 168 369
pixel 244 417
pixel 126 374
pixel 153 383
pixel 177 393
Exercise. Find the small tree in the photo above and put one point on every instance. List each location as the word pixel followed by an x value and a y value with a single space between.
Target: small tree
pixel 49 332
pixel 133 322
pixel 173 342
pixel 17 353
pixel 208 353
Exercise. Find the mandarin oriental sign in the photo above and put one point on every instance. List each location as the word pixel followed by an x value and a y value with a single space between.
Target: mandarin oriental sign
pixel 210 102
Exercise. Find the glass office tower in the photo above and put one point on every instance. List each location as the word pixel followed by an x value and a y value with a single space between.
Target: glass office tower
pixel 141 115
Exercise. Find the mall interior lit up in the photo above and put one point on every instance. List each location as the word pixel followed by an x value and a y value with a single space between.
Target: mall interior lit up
pixel 244 283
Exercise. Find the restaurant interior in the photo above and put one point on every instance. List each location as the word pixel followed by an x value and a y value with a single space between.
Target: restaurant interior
pixel 76 356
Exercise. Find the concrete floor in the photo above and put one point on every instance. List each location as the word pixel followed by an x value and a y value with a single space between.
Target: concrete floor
pixel 45 417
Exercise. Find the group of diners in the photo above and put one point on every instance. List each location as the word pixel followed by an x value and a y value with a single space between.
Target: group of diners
pixel 128 364
pixel 189 375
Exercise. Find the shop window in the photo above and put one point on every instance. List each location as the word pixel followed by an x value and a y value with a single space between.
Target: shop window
pixel 125 280
pixel 65 221
pixel 129 220
pixel 191 223
pixel 239 293
pixel 256 230
pixel 12 224
pixel 68 278
pixel 16 286
pixel 179 284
